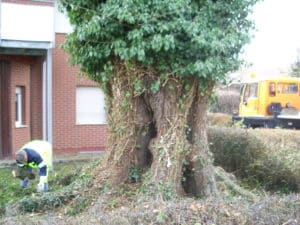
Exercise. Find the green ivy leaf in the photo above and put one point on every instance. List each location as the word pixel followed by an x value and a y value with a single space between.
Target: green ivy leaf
pixel 155 86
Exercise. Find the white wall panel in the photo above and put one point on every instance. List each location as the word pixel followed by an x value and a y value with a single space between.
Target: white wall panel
pixel 27 23
pixel 62 24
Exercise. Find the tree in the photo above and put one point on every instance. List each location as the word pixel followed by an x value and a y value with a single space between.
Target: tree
pixel 157 62
pixel 295 67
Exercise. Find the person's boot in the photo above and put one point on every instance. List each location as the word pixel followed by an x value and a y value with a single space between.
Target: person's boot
pixel 42 187
pixel 24 183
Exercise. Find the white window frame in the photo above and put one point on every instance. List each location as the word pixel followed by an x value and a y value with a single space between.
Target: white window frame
pixel 90 106
pixel 19 106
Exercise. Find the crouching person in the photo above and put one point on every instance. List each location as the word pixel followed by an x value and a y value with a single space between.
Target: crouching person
pixel 36 154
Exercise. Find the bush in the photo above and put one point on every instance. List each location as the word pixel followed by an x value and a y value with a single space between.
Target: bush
pixel 234 149
pixel 267 158
pixel 42 202
pixel 272 175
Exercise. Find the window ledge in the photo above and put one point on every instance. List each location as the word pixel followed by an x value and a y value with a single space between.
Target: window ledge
pixel 21 126
pixel 90 124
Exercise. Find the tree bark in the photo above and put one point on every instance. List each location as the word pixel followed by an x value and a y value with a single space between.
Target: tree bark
pixel 130 130
pixel 170 109
pixel 200 173
pixel 149 130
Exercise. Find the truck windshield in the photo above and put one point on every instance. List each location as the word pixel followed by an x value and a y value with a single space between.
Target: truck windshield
pixel 250 91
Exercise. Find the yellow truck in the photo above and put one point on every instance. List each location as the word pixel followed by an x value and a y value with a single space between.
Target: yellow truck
pixel 270 103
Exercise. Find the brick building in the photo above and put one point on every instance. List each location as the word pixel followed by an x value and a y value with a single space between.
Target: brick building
pixel 41 95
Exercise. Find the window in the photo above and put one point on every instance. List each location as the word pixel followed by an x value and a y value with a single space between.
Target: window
pixel 20 106
pixel 288 88
pixel 250 91
pixel 272 89
pixel 90 104
pixel 253 90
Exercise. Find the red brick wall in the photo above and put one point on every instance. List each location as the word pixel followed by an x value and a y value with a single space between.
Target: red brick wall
pixel 36 85
pixel 20 76
pixel 67 136
pixel 26 72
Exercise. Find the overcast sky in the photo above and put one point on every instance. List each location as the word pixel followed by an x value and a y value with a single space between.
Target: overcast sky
pixel 277 37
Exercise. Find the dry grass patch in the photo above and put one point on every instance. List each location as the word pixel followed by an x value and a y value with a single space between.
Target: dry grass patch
pixel 113 208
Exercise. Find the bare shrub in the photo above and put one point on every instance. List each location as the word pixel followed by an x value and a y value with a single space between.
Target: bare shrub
pixel 219 119
pixel 226 100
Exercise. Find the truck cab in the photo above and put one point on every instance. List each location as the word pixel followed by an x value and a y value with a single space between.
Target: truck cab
pixel 270 103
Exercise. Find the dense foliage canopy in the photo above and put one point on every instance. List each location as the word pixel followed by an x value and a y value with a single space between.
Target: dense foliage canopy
pixel 199 38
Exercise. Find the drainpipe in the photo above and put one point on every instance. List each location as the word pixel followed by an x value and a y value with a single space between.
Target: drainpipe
pixel 44 100
pixel 0 19
pixel 49 95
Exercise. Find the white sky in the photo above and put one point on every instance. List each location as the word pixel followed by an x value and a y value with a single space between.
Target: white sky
pixel 276 39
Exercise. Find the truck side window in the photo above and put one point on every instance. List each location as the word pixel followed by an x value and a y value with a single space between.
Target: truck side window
pixel 288 88
pixel 272 90
pixel 292 88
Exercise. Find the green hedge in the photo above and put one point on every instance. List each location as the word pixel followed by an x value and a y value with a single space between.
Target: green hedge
pixel 268 158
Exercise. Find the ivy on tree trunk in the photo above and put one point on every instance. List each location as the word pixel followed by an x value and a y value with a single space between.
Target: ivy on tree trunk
pixel 157 62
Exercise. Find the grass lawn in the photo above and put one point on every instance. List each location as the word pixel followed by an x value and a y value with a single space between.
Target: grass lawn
pixel 10 190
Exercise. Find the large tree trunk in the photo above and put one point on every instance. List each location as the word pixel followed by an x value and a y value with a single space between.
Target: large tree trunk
pixel 170 106
pixel 130 130
pixel 149 130
pixel 199 171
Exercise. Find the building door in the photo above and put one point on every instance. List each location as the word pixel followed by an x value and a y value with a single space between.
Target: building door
pixel 5 112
